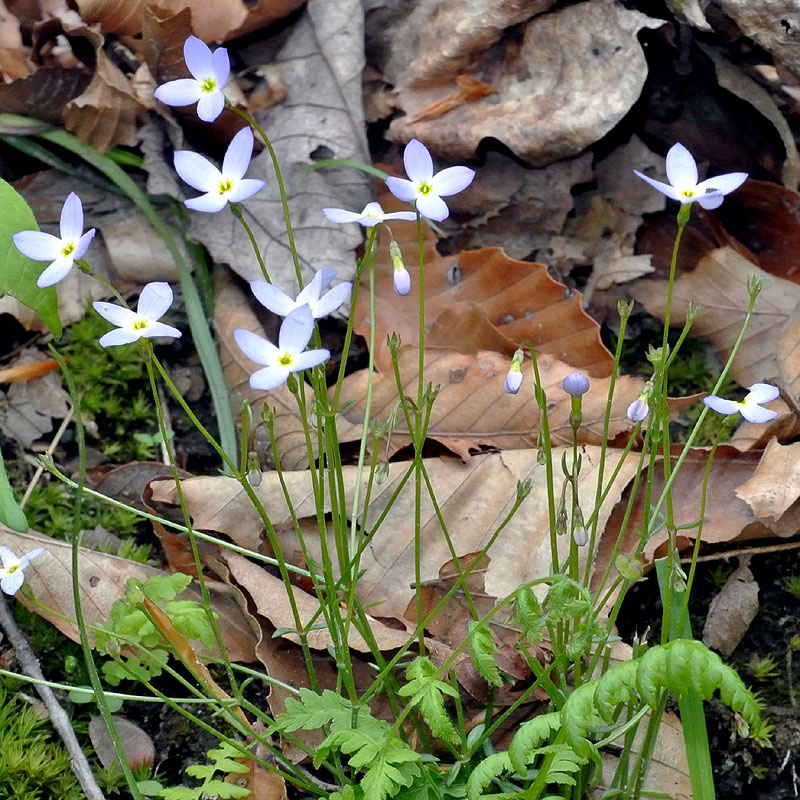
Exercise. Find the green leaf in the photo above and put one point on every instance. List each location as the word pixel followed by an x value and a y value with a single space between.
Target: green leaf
pixel 18 273
pixel 482 650
pixel 428 696
pixel 11 515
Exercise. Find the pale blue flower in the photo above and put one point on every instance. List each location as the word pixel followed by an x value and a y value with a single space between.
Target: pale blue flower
pixel 12 573
pixel 63 251
pixel 513 381
pixel 277 301
pixel 683 185
pixel 638 410
pixel 424 188
pixel 154 302
pixel 227 186
pixel 371 216
pixel 210 72
pixel 401 277
pixel 575 384
pixel 289 356
pixel 750 406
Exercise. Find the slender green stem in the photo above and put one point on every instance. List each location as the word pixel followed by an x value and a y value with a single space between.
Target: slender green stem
pixel 236 209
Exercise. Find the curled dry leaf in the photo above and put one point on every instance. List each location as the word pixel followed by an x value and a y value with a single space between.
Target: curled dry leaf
pixel 774 486
pixel 573 76
pixel 732 611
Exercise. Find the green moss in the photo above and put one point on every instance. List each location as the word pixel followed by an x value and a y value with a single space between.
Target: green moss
pixel 34 764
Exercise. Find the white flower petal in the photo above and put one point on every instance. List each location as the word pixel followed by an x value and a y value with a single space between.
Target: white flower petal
pixel 681 168
pixel 373 210
pixel 757 414
pixel 638 410
pixel 11 584
pixel 309 359
pixel 83 244
pixel 326 276
pixel 271 297
pixel 433 207
pixel 209 203
pixel 182 92
pixel 311 291
pixel 512 382
pixel 238 155
pixel 160 329
pixel 269 378
pixel 210 106
pixel 418 162
pixel 452 180
pixel 762 393
pixel 155 300
pixel 56 272
pixel 723 183
pixel 721 405
pixel 296 330
pixel 331 301
pixel 340 215
pixel 401 280
pixel 8 557
pixel 255 347
pixel 197 171
pixel 244 189
pixel 402 189
pixel 710 201
pixel 222 66
pixel 119 336
pixel 28 557
pixel 71 223
pixel 38 245
pixel 664 188
pixel 197 55
pixel 116 315
pixel 406 215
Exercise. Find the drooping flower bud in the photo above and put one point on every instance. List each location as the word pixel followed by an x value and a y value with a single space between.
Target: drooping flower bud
pixel 514 375
pixel 401 280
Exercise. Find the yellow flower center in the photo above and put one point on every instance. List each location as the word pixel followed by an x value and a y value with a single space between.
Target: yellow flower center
pixel 141 324
pixel 286 360
pixel 208 85
pixel 10 570
pixel 688 193
pixel 425 188
pixel 68 249
pixel 225 186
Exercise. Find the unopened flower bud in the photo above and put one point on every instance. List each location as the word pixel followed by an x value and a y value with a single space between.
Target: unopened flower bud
pixel 624 308
pixel 580 536
pixel 640 408
pixel 575 384
pixel 514 375
pixel 401 280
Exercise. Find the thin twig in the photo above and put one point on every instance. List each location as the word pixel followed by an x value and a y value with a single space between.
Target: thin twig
pixel 29 664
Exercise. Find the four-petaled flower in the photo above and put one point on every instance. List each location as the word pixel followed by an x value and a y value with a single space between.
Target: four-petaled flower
pixel 683 185
pixel 63 252
pixel 210 73
pixel 12 573
pixel 426 188
pixel 289 356
pixel 371 216
pixel 750 406
pixel 280 303
pixel 230 185
pixel 154 301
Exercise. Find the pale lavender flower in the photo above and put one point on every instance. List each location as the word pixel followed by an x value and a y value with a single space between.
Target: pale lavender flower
pixel 401 277
pixel 210 72
pixel 61 252
pixel 513 379
pixel 371 216
pixel 683 185
pixel 223 187
pixel 575 384
pixel 277 301
pixel 289 356
pixel 425 188
pixel 154 301
pixel 12 573
pixel 638 410
pixel 750 406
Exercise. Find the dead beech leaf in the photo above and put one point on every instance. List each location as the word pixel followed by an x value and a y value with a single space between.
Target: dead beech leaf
pixel 775 485
pixel 44 93
pixel 753 436
pixel 102 580
pixel 719 285
pixel 732 610
pixel 14 61
pixel 575 74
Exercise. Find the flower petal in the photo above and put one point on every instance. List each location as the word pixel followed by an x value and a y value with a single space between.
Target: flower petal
pixel 119 336
pixel 512 382
pixel 8 557
pixel 721 405
pixel 197 171
pixel 238 155
pixel 406 215
pixel 296 330
pixel 38 245
pixel 116 315
pixel 198 58
pixel 757 414
pixel 209 203
pixel 244 189
pixel 402 189
pixel 83 244
pixel 452 180
pixel 401 280
pixel 638 410
pixel 11 584
pixel 222 66
pixel 56 272
pixel 339 215
pixel 71 224
pixel 271 297
pixel 160 329
pixel 312 290
pixel 326 276
pixel 255 347
pixel 332 300
pixel 710 201
pixel 309 359
pixel 762 393
pixel 681 168
pixel 664 188
pixel 210 106
pixel 155 300
pixel 373 210
pixel 433 207
pixel 723 183
pixel 28 557
pixel 182 92
pixel 270 377
pixel 418 162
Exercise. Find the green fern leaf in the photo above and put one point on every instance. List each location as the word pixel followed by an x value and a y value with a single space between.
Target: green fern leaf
pixel 488 770
pixel 482 650
pixel 429 698
pixel 530 736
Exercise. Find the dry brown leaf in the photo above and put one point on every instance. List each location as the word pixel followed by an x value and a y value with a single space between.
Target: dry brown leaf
pixel 788 359
pixel 14 61
pixel 719 285
pixel 755 436
pixel 44 93
pixel 774 486
pixel 473 498
pixel 573 76
pixel 732 610
pixel 102 579
pixel 136 744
